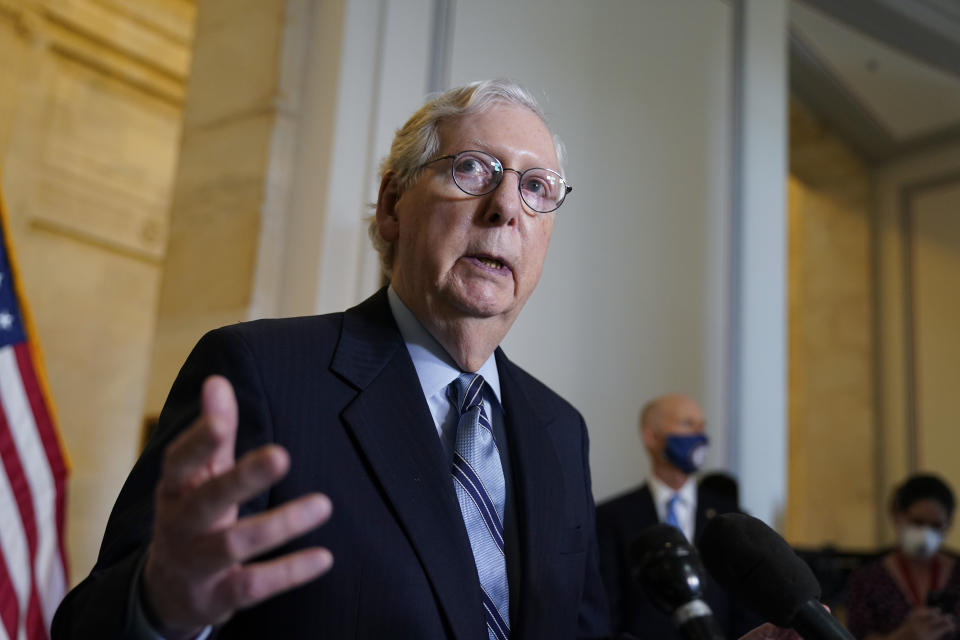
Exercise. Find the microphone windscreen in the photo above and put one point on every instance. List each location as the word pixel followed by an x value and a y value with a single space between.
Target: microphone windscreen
pixel 654 540
pixel 758 567
pixel 668 568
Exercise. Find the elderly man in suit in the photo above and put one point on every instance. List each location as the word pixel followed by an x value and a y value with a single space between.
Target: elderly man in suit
pixel 463 507
pixel 222 510
pixel 672 429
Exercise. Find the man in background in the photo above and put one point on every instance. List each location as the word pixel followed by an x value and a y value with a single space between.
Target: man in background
pixel 672 430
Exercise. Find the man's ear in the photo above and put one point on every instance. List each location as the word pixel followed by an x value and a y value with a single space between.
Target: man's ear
pixel 386 213
pixel 648 436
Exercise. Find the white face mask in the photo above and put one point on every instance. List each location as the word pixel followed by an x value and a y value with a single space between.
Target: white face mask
pixel 919 542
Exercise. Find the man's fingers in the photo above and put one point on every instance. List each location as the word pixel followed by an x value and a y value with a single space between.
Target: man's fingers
pixel 256 534
pixel 188 458
pixel 217 398
pixel 206 447
pixel 253 583
pixel 254 473
pixel 218 405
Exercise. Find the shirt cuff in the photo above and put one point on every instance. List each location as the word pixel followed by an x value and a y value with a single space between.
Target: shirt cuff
pixel 140 626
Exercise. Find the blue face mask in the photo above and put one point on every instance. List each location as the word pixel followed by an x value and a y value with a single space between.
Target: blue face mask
pixel 686 452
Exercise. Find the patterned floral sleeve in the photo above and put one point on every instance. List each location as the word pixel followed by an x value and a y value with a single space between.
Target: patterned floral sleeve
pixel 859 608
pixel 875 603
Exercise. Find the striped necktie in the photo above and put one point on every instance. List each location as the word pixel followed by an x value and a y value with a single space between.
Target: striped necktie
pixel 481 490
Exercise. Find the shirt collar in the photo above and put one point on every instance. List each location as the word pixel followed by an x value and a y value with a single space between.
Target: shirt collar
pixel 662 493
pixel 435 368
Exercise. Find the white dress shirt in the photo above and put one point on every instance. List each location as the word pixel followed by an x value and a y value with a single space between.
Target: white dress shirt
pixel 685 508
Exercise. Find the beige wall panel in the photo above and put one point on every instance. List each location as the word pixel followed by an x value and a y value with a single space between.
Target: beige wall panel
pixel 100 55
pixel 935 284
pixel 897 458
pixel 236 60
pixel 229 125
pixel 172 18
pixel 831 453
pixel 832 459
pixel 106 160
pixel 133 39
pixel 213 241
pixel 14 49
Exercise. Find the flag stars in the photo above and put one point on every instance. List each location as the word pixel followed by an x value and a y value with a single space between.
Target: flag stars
pixel 6 320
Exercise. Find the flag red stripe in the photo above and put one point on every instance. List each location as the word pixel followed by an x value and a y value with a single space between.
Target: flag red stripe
pixel 24 498
pixel 48 437
pixel 36 628
pixel 35 625
pixel 41 415
pixel 8 601
pixel 19 485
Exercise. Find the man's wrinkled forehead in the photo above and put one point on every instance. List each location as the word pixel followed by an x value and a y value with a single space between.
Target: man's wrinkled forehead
pixel 454 137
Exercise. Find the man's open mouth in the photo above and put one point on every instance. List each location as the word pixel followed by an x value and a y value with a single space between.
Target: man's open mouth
pixel 493 263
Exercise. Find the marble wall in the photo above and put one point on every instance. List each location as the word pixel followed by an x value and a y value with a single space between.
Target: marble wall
pixel 832 470
pixel 230 121
pixel 91 97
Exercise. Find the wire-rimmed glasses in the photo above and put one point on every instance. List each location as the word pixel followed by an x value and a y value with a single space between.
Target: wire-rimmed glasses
pixel 478 173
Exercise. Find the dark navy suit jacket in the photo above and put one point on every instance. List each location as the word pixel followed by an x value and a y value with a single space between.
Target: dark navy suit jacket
pixel 619 522
pixel 340 393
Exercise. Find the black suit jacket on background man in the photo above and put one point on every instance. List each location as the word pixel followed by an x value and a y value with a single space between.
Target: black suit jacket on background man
pixel 340 393
pixel 619 522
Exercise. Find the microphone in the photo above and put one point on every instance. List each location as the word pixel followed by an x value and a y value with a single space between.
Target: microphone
pixel 758 567
pixel 671 574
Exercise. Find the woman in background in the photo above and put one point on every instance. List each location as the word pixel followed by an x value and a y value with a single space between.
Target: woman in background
pixel 912 592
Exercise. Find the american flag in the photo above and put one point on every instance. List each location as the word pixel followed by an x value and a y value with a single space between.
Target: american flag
pixel 33 473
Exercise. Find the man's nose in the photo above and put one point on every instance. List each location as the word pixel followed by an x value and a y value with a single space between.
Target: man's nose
pixel 506 205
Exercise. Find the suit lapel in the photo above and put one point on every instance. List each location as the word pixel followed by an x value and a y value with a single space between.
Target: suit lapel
pixel 539 494
pixel 647 508
pixel 394 430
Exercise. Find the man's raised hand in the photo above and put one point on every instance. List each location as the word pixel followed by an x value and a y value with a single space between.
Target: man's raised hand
pixel 196 571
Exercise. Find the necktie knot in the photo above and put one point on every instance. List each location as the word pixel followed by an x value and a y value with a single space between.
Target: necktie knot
pixel 469 390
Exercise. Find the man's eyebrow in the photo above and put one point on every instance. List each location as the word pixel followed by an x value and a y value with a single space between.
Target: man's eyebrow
pixel 480 146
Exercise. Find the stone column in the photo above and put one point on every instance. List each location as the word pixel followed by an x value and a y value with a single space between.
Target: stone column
pixel 245 115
